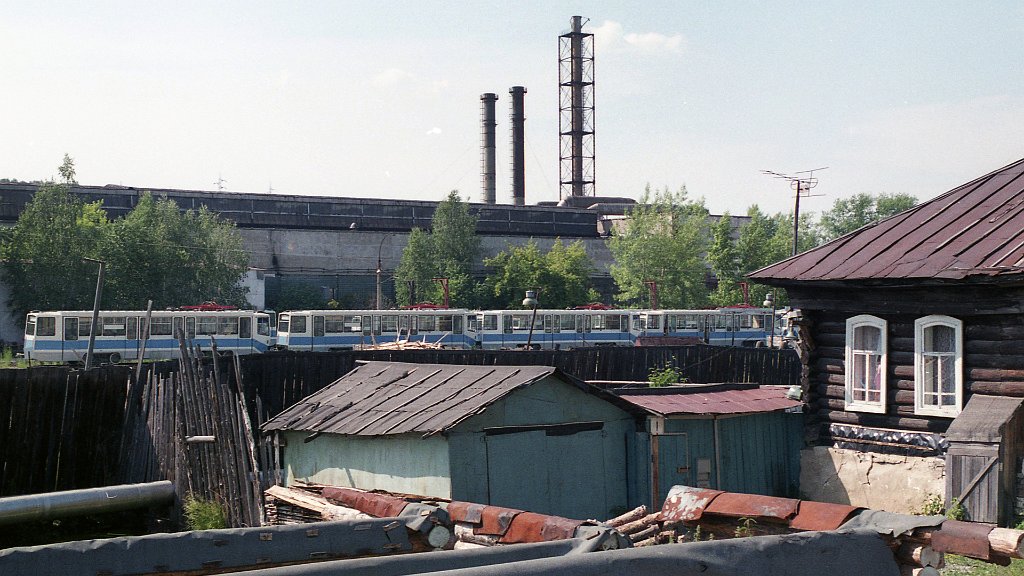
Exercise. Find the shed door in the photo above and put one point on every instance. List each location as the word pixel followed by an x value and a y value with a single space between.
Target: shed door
pixel 674 466
pixel 555 471
pixel 972 475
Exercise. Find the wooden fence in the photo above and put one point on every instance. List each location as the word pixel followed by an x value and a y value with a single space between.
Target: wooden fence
pixel 62 428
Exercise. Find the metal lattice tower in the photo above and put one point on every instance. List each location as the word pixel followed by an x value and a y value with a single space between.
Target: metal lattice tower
pixel 576 111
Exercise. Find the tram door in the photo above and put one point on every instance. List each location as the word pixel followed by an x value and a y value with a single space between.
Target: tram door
pixel 70 336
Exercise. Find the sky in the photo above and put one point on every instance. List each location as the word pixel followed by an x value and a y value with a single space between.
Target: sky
pixel 382 99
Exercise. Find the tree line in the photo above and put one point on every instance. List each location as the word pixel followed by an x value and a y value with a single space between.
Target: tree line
pixel 668 241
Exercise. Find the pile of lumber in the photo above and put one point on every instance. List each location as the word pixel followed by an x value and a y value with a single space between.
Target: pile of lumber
pixel 641 528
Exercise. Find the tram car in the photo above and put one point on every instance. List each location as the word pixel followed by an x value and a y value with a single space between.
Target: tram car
pixel 552 329
pixel 63 336
pixel 355 329
pixel 731 326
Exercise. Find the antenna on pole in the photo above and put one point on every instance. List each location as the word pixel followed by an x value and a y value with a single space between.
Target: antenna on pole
pixel 802 182
pixel 219 183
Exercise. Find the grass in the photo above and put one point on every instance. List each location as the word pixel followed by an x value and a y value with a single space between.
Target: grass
pixel 962 566
pixel 203 514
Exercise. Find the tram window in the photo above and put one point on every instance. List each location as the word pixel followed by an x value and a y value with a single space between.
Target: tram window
pixel 334 324
pixel 403 323
pixel 112 326
pixel 597 322
pixel 46 326
pixel 318 326
pixel 389 324
pixel 263 326
pixel 490 322
pixel 353 323
pixel 567 323
pixel 471 322
pixel 376 325
pixel 298 325
pixel 444 323
pixel 283 324
pixel 162 327
pixel 30 326
pixel 521 321
pixel 132 328
pixel 71 328
pixel 426 324
pixel 623 323
pixel 206 326
pixel 227 325
pixel 506 324
pixel 244 327
pixel 84 327
pixel 549 323
pixel 190 327
pixel 457 324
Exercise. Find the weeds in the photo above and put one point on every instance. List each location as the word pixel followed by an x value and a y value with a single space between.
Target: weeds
pixel 664 376
pixel 203 514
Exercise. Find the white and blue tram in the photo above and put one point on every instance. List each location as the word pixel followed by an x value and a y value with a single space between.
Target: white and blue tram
pixel 355 329
pixel 64 336
pixel 731 326
pixel 552 329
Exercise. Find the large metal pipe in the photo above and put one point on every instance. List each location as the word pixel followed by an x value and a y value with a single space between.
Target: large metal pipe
pixel 488 146
pixel 577 105
pixel 518 118
pixel 31 507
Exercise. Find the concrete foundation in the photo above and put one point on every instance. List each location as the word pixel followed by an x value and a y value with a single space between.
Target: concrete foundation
pixel 877 481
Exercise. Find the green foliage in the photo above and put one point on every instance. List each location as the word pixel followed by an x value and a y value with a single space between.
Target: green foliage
pixel 962 565
pixel 450 251
pixel 667 375
pixel 203 514
pixel 745 527
pixel 956 510
pixel 664 240
pixel 849 214
pixel 931 506
pixel 562 274
pixel 155 252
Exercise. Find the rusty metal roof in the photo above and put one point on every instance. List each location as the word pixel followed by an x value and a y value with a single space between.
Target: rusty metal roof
pixel 711 400
pixel 973 231
pixel 380 398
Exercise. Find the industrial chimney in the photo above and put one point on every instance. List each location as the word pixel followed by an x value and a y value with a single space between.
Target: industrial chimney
pixel 576 111
pixel 487 145
pixel 518 117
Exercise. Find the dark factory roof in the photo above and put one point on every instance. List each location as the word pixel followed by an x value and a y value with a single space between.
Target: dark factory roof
pixel 975 231
pixel 714 399
pixel 382 398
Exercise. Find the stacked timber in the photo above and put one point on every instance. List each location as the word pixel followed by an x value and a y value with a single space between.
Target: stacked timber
pixel 292 506
pixel 641 528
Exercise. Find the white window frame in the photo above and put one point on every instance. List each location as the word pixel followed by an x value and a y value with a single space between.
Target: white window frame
pixel 920 325
pixel 851 326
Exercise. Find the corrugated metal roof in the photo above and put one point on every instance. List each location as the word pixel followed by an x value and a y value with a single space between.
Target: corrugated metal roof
pixel 381 398
pixel 976 229
pixel 741 401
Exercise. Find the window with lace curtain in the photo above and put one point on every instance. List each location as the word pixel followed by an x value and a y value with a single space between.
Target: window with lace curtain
pixel 938 366
pixel 865 364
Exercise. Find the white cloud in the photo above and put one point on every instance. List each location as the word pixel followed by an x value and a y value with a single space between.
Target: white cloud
pixel 610 35
pixel 434 130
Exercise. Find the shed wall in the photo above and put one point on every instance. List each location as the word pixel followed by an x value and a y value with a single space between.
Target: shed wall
pixel 574 472
pixel 408 464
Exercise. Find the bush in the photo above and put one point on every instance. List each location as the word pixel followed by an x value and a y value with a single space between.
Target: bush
pixel 203 514
pixel 664 376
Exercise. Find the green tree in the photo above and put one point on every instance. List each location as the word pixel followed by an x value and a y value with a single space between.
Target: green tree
pixel 562 275
pixel 43 252
pixel 849 214
pixel 724 259
pixel 449 250
pixel 664 241
pixel 159 252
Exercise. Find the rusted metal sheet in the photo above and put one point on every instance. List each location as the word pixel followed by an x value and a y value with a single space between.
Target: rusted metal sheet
pixel 466 512
pixel 753 505
pixel 381 398
pixel 821 515
pixel 532 527
pixel 743 401
pixel 378 505
pixel 966 538
pixel 495 520
pixel 686 503
pixel 976 229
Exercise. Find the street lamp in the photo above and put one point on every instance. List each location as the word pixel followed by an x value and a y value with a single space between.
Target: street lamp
pixel 531 302
pixel 379 268
pixel 769 302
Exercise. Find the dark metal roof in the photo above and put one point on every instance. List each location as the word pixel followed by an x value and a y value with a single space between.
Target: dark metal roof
pixel 711 400
pixel 975 230
pixel 381 398
pixel 983 419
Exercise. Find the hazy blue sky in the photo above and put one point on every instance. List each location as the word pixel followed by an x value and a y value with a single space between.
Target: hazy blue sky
pixel 382 99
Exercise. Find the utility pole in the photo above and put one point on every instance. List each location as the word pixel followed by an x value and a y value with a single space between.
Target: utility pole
pixel 802 184
pixel 95 312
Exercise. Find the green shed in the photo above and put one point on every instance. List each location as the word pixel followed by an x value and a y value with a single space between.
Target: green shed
pixel 732 437
pixel 525 437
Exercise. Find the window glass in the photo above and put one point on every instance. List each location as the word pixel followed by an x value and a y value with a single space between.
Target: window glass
pixel 263 326
pixel 490 322
pixel 318 326
pixel 84 327
pixel 457 324
pixel 71 328
pixel 389 324
pixel 206 326
pixel 426 323
pixel 227 325
pixel 444 323
pixel 866 353
pixel 30 326
pixel 567 322
pixel 160 326
pixel 334 324
pixel 245 327
pixel 938 358
pixel 46 326
pixel 298 325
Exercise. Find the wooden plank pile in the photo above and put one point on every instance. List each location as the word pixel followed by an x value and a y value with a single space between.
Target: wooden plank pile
pixel 641 528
